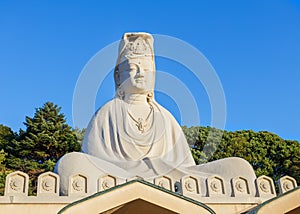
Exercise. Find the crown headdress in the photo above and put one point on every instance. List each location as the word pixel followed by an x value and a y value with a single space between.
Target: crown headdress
pixel 135 45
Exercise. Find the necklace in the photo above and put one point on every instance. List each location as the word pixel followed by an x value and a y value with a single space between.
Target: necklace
pixel 140 123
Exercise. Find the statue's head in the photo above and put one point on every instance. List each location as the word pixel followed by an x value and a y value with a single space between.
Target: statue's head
pixel 135 69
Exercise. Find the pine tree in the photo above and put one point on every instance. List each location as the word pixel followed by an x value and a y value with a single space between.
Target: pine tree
pixel 6 136
pixel 47 137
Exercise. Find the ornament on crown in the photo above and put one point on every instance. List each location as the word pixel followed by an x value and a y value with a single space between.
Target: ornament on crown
pixel 137 46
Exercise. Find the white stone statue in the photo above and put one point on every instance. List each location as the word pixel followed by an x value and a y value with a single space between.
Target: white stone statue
pixel 132 135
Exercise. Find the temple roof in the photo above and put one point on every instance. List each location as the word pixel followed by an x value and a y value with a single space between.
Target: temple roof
pixel 134 197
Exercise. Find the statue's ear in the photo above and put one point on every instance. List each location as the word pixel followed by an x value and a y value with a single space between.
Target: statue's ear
pixel 117 76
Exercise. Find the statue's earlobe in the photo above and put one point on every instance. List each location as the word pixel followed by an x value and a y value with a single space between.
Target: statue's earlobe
pixel 120 93
pixel 149 97
pixel 117 77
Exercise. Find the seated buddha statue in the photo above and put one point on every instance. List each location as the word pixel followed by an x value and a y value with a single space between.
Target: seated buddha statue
pixel 133 135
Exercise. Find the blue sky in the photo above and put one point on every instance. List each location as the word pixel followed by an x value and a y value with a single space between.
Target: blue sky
pixel 254 47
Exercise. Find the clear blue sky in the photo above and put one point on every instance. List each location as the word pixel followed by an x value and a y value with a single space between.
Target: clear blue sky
pixel 253 45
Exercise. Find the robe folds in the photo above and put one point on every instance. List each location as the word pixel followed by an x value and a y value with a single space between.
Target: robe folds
pixel 113 145
pixel 112 136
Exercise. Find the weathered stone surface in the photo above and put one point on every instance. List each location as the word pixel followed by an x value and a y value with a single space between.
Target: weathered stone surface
pixel 190 186
pixel 48 184
pixel 286 184
pixel 240 187
pixel 106 182
pixel 265 187
pixel 16 184
pixel 165 182
pixel 215 186
pixel 78 185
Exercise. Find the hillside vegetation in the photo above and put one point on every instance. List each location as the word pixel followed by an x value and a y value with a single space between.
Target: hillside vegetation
pixel 47 137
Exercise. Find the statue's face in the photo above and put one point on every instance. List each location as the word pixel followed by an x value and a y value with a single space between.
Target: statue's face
pixel 137 75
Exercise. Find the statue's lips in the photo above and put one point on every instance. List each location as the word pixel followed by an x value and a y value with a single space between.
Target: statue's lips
pixel 140 80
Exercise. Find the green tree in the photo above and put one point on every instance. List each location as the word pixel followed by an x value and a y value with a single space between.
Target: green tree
pixel 268 153
pixel 79 134
pixel 203 142
pixel 47 137
pixel 6 136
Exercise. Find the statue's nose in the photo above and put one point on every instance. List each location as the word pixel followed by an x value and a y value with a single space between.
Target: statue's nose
pixel 140 72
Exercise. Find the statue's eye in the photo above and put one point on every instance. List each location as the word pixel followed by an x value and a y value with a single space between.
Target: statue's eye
pixel 133 68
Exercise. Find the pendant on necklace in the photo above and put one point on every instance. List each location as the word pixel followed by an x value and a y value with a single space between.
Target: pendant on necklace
pixel 140 125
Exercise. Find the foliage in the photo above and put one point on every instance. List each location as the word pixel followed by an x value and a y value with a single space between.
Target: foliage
pixel 6 136
pixel 37 149
pixel 79 134
pixel 268 153
pixel 47 137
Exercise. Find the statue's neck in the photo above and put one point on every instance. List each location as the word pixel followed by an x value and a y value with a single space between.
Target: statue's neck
pixel 136 99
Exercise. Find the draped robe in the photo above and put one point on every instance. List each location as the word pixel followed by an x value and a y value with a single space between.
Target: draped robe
pixel 114 146
pixel 112 136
